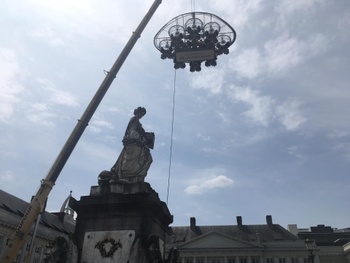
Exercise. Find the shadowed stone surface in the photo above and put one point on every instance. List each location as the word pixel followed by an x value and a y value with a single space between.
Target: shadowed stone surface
pixel 110 211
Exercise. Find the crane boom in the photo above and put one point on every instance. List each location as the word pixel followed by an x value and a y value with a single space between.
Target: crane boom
pixel 37 203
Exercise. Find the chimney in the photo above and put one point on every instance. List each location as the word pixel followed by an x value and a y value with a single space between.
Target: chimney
pixel 293 228
pixel 239 220
pixel 269 220
pixel 193 223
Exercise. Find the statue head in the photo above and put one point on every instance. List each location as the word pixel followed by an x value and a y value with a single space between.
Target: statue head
pixel 140 111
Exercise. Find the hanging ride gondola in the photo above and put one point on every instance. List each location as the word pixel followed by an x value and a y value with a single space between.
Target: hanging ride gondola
pixel 193 38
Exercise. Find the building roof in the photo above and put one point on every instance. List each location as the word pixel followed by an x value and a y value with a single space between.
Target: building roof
pixel 326 235
pixel 12 209
pixel 181 235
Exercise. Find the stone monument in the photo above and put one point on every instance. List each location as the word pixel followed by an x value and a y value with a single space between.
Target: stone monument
pixel 123 219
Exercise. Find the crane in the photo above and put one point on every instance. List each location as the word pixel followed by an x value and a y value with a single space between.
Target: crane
pixel 36 205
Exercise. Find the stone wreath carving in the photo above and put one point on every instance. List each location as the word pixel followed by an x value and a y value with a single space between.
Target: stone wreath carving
pixel 108 242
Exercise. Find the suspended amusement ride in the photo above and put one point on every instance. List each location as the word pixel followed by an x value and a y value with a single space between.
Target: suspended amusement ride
pixel 191 38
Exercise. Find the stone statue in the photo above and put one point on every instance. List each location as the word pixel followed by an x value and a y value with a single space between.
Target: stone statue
pixel 135 159
pixel 61 250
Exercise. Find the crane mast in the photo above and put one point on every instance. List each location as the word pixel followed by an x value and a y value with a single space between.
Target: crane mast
pixel 36 205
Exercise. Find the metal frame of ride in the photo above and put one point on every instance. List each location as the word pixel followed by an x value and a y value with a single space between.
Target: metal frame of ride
pixel 193 38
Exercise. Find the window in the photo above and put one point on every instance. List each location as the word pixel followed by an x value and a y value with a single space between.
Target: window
pixel 200 260
pixel 255 260
pixel 282 260
pixel 37 250
pixel 269 260
pixel 231 260
pixel 215 259
pixel 188 260
pixel 243 260
pixel 294 260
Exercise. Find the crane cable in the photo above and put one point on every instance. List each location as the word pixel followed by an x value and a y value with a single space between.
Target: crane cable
pixel 171 137
pixel 193 7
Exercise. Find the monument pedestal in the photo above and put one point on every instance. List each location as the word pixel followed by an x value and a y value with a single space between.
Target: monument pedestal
pixel 121 222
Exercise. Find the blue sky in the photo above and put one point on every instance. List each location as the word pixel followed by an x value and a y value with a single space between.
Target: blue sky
pixel 265 132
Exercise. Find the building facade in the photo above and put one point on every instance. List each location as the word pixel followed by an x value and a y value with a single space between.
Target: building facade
pixel 268 243
pixel 331 244
pixel 52 225
pixel 238 243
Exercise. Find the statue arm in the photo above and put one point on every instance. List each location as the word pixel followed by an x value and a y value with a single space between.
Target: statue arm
pixel 141 130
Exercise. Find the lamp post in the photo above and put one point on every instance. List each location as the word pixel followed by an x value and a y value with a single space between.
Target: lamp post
pixel 310 246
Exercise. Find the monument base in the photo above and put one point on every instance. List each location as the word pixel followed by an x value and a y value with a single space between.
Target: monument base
pixel 121 222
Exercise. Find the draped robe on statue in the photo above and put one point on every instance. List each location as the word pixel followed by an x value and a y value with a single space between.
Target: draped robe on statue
pixel 135 159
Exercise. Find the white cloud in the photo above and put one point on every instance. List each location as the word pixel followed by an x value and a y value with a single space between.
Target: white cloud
pixel 102 123
pixel 248 63
pixel 10 87
pixel 64 20
pixel 62 97
pixel 57 96
pixel 264 109
pixel 42 110
pixel 338 134
pixel 116 109
pixel 289 115
pixel 41 114
pixel 242 9
pixel 296 152
pixel 342 146
pixel 202 137
pixel 97 125
pixel 314 45
pixel 285 52
pixel 260 106
pixel 289 7
pixel 282 53
pixel 291 10
pixel 343 25
pixel 47 34
pixel 246 140
pixel 219 181
pixel 211 80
